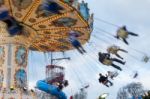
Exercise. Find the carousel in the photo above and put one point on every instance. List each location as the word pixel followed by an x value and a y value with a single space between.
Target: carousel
pixel 37 25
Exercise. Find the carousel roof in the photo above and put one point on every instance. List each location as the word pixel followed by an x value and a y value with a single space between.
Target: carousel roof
pixel 44 32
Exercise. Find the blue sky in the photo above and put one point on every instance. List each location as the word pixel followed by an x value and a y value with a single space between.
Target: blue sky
pixel 84 69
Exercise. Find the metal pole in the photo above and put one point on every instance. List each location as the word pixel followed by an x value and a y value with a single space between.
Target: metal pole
pixel 51 58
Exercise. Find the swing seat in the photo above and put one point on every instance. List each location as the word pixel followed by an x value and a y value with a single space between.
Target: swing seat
pixel 105 82
pixel 115 74
pixel 107 62
pixel 122 33
pixel 145 59
pixel 112 50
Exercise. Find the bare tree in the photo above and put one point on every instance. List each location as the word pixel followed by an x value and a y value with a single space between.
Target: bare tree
pixel 132 89
pixel 122 94
pixel 135 89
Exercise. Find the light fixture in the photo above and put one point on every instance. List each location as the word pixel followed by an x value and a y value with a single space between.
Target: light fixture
pixel 11 88
pixel 103 96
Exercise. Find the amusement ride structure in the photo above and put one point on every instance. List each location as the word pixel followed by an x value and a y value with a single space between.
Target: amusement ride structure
pixel 37 25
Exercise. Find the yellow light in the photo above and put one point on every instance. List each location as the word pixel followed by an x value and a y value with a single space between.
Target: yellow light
pixel 104 95
pixel 11 88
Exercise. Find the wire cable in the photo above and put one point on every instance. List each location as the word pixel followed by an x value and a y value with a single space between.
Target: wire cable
pixel 101 20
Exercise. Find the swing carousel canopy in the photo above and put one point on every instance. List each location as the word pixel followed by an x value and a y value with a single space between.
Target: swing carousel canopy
pixel 46 24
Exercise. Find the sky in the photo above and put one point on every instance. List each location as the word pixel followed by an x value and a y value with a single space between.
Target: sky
pixel 84 69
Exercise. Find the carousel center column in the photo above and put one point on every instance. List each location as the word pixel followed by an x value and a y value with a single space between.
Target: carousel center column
pixel 13 66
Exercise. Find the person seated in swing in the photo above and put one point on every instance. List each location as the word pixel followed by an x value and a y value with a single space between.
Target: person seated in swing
pixel 62 84
pixel 135 75
pixel 123 33
pixel 104 80
pixel 3 12
pixel 114 50
pixel 48 8
pixel 146 58
pixel 13 26
pixel 75 42
pixel 105 59
pixel 112 74
pixel 65 83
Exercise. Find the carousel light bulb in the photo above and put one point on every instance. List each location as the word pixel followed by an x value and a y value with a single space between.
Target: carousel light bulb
pixel 11 88
pixel 104 95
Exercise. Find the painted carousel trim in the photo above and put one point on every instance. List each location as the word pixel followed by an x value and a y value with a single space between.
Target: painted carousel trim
pixel 65 4
pixel 2 56
pixel 64 29
pixel 1 78
pixel 24 61
pixel 22 6
pixel 31 9
pixel 10 6
pixel 15 78
pixel 52 18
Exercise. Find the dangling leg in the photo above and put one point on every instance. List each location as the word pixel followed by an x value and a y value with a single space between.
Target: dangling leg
pixel 112 77
pixel 117 67
pixel 76 44
pixel 82 49
pixel 131 33
pixel 79 50
pixel 106 84
pixel 109 82
pixel 80 46
pixel 115 74
pixel 117 60
pixel 135 75
pixel 123 50
pixel 125 41
pixel 118 56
